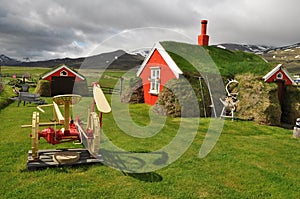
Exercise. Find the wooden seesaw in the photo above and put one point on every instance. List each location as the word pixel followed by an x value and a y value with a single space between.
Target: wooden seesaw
pixel 72 131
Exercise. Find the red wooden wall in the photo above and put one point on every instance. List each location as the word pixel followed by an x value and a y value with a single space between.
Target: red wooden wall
pixel 166 74
pixel 273 78
pixel 57 73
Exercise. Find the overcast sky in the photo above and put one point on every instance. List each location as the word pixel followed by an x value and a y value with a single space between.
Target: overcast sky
pixel 44 29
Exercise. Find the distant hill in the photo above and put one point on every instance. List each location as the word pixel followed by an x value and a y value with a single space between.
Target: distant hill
pixel 289 56
pixel 115 60
pixel 5 60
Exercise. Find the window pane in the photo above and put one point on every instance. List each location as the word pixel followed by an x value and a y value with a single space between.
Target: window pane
pixel 152 86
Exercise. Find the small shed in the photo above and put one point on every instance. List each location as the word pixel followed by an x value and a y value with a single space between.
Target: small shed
pixel 62 80
pixel 279 75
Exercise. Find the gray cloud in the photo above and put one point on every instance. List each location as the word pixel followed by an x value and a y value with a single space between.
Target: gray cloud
pixel 43 29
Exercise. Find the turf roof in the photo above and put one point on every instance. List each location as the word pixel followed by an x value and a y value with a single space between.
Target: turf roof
pixel 210 59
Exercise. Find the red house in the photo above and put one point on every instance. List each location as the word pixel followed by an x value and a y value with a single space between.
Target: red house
pixel 159 67
pixel 156 70
pixel 62 80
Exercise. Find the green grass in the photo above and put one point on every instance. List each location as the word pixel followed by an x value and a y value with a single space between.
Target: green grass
pixel 5 95
pixel 110 78
pixel 248 161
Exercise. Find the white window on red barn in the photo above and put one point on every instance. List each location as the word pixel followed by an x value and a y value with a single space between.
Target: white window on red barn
pixel 154 80
pixel 63 73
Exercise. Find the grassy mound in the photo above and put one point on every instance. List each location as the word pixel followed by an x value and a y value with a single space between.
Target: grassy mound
pixel 179 98
pixel 195 61
pixel 258 100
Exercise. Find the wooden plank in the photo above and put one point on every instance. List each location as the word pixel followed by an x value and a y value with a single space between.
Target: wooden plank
pixel 59 115
pixel 41 124
pixel 46 159
pixel 101 102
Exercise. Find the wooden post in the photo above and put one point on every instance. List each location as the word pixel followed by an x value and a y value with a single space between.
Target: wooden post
pixel 280 91
pixel 66 114
pixel 121 85
pixel 34 135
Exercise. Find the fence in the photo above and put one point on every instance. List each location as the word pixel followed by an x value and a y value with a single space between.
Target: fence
pixel 106 90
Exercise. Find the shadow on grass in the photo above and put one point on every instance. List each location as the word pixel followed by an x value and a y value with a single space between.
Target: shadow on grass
pixel 63 168
pixel 134 162
pixel 146 177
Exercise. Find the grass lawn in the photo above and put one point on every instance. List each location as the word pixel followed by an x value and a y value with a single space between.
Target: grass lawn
pixel 248 161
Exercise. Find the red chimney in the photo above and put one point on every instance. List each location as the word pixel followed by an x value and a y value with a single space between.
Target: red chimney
pixel 203 38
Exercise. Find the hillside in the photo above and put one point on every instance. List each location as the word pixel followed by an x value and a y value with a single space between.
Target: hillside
pixel 289 56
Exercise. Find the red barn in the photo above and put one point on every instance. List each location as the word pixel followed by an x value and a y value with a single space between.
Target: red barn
pixel 62 80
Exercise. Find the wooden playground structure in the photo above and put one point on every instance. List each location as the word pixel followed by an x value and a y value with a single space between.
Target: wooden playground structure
pixel 72 131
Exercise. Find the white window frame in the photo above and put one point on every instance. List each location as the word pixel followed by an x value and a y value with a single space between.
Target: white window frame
pixel 62 73
pixel 154 80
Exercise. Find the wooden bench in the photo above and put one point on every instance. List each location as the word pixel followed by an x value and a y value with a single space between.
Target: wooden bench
pixel 28 97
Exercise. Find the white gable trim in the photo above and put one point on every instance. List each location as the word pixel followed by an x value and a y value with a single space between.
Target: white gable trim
pixel 170 62
pixel 277 68
pixel 59 68
pixel 272 72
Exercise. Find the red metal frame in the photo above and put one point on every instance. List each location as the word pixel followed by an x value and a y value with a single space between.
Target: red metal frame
pixel 60 136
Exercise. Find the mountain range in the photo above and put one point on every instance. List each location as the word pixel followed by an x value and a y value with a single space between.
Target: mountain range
pixel 115 60
pixel 288 55
pixel 258 49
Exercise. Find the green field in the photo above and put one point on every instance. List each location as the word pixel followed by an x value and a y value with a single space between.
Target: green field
pixel 248 161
